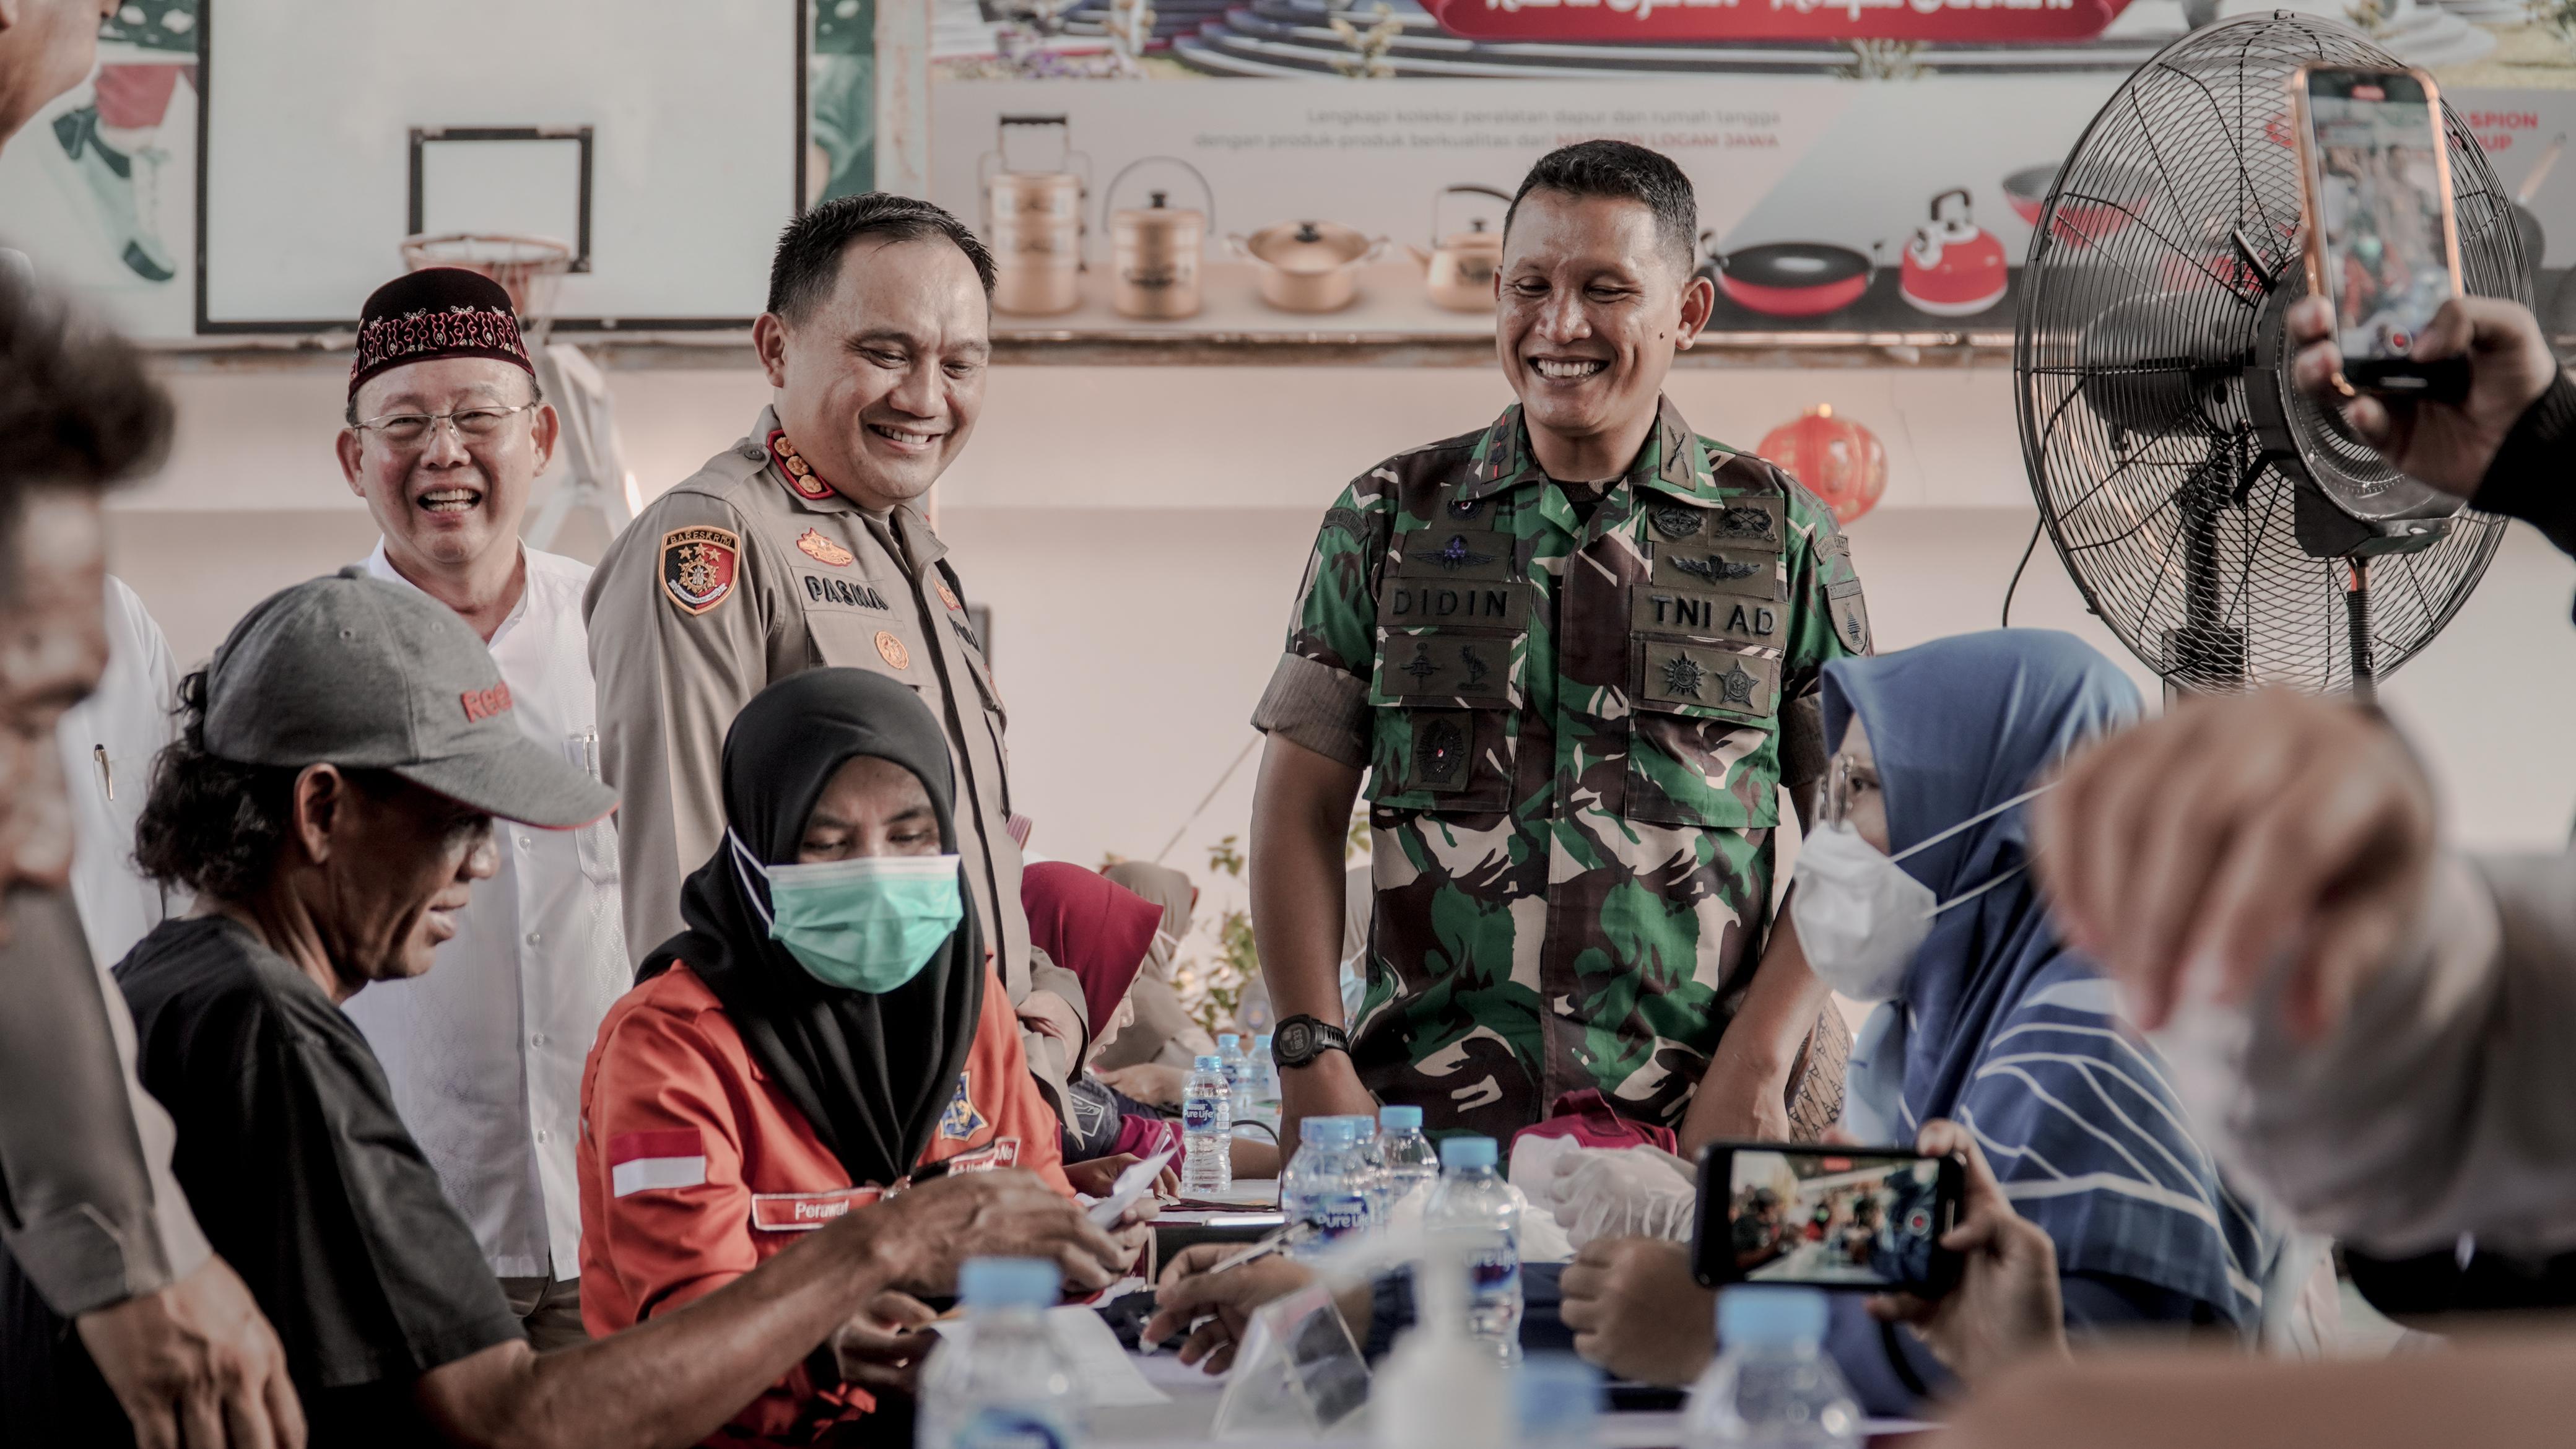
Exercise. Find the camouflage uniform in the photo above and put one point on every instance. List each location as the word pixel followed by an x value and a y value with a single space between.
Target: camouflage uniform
pixel 1575 734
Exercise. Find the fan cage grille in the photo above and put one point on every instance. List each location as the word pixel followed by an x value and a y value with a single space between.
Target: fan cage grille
pixel 2139 317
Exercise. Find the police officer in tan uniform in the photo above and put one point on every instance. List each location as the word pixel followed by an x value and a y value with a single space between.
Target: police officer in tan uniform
pixel 804 545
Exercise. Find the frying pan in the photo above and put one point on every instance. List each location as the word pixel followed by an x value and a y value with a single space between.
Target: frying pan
pixel 1791 279
pixel 2078 222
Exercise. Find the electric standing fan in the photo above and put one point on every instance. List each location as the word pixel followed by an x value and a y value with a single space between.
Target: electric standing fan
pixel 2223 526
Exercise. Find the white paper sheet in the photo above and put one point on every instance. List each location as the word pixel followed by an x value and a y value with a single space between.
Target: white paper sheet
pixel 1098 1362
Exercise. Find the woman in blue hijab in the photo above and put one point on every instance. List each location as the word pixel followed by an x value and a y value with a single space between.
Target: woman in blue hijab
pixel 1991 1021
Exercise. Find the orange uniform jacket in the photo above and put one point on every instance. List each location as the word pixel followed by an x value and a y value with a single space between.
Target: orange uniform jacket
pixel 694 1169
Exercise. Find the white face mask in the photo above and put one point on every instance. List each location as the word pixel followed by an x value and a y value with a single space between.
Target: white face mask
pixel 1860 917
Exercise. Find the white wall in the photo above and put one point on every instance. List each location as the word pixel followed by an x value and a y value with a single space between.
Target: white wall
pixel 1139 533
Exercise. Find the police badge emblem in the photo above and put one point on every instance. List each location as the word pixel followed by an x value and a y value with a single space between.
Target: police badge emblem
pixel 823 550
pixel 698 567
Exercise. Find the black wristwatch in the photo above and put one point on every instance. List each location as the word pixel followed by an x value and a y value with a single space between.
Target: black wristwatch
pixel 1297 1041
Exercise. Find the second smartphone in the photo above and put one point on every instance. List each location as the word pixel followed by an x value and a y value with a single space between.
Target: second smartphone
pixel 1826 1217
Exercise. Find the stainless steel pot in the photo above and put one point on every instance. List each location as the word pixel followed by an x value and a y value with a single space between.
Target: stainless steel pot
pixel 1034 221
pixel 1308 266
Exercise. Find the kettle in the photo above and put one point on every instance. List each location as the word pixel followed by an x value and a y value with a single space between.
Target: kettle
pixel 1952 267
pixel 1157 249
pixel 1458 271
pixel 1035 222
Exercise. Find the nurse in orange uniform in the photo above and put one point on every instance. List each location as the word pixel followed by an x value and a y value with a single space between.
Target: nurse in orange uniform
pixel 827 1030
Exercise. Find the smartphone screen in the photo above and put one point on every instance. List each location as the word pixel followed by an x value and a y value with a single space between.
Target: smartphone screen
pixel 2379 197
pixel 1826 1218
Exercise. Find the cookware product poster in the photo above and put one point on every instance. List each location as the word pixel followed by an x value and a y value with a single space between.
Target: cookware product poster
pixel 1861 167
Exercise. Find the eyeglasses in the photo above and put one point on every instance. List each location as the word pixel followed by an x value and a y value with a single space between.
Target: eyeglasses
pixel 405 430
pixel 1845 783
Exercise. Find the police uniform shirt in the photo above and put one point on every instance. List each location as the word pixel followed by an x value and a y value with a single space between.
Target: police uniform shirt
pixel 750 571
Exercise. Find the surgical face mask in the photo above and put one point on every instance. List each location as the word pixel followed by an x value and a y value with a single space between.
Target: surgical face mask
pixel 1860 917
pixel 865 924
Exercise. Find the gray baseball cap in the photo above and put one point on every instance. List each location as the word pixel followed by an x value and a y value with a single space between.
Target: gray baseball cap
pixel 352 671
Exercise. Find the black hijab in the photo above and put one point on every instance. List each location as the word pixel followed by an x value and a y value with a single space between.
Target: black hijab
pixel 872 1073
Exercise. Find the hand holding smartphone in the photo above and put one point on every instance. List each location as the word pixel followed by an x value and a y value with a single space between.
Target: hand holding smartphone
pixel 2382 245
pixel 1826 1217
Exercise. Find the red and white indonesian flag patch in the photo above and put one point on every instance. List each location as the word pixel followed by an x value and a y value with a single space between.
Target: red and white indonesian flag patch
pixel 638 1161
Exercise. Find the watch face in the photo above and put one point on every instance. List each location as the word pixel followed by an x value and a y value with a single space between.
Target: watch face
pixel 1296 1041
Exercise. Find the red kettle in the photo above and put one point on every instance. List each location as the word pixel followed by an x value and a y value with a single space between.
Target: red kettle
pixel 1952 267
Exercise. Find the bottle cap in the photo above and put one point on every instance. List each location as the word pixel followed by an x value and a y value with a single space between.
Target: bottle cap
pixel 1227 1041
pixel 1400 1119
pixel 1008 1283
pixel 1461 1154
pixel 1558 1396
pixel 1210 1062
pixel 1770 1315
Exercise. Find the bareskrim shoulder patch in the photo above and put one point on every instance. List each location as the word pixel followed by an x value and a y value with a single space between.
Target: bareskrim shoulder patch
pixel 699 566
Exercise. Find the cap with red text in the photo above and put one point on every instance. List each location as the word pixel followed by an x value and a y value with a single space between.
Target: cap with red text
pixel 352 671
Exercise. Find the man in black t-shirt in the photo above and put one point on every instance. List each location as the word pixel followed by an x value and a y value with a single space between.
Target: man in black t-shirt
pixel 330 802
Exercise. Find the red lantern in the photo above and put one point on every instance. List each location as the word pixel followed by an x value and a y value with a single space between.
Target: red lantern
pixel 1840 461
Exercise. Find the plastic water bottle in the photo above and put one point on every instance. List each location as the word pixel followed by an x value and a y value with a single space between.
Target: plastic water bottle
pixel 1473 1201
pixel 1402 1158
pixel 1238 1076
pixel 997 1381
pixel 1207 1129
pixel 1265 1079
pixel 1325 1184
pixel 1558 1398
pixel 1772 1386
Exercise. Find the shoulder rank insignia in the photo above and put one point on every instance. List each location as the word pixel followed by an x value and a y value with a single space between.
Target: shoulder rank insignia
pixel 801 477
pixel 1716 569
pixel 961 1121
pixel 699 566
pixel 1683 676
pixel 1736 687
pixel 1744 523
pixel 1455 554
pixel 1674 520
pixel 1438 752
pixel 822 550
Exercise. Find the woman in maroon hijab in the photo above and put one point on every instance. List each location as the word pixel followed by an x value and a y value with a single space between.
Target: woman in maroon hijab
pixel 1102 932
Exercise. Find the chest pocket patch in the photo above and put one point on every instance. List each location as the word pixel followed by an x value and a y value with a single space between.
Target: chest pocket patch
pixel 961 1121
pixel 1479 555
pixel 1725 681
pixel 1469 668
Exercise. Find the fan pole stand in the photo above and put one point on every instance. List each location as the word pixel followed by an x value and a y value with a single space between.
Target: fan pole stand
pixel 2356 611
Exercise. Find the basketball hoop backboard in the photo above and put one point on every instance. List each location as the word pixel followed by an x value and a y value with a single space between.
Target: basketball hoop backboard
pixel 668 156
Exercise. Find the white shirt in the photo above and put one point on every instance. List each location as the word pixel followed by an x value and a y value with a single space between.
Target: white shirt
pixel 485 1051
pixel 107 742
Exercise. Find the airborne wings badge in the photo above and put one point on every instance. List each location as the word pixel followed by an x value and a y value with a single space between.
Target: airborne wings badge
pixel 699 567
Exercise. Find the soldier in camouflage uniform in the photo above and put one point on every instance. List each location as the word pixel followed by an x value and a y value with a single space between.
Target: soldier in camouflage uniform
pixel 1575 705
